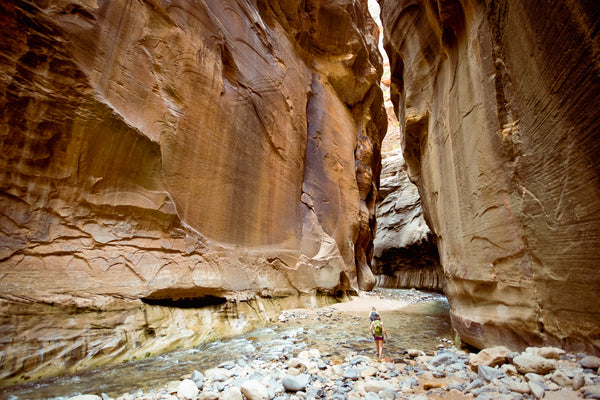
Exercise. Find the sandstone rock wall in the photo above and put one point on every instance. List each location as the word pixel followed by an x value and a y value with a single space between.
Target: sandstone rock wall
pixel 163 150
pixel 55 340
pixel 405 251
pixel 499 103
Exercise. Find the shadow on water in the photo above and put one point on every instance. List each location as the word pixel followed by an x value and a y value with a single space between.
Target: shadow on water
pixel 421 325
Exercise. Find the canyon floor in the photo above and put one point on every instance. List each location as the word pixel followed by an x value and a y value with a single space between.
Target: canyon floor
pixel 327 353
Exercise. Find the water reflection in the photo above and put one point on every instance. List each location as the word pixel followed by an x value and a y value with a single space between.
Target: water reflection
pixel 422 325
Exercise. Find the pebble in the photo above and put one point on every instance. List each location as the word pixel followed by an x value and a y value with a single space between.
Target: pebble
pixel 295 383
pixel 187 389
pixel 408 383
pixel 528 362
pixel 489 373
pixel 537 389
pixel 350 374
pixel 591 362
pixel 489 357
pixel 254 390
pixel 235 393
pixel 198 378
pixel 518 387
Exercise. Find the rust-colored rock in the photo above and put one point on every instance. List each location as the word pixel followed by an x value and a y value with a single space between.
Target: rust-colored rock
pixel 163 150
pixel 499 108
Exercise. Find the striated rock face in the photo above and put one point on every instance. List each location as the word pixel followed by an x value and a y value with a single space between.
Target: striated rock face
pixel 168 150
pixel 406 254
pixel 498 103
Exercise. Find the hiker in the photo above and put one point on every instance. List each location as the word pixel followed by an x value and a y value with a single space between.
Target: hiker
pixel 373 314
pixel 378 331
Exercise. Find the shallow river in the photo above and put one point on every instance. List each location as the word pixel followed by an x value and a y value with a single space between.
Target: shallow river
pixel 424 324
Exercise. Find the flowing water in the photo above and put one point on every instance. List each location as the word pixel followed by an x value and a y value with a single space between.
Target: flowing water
pixel 424 324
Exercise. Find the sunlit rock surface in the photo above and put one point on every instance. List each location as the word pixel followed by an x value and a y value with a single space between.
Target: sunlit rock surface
pixel 168 150
pixel 406 254
pixel 499 108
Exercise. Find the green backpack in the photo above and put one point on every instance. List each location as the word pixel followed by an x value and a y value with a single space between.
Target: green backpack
pixel 377 328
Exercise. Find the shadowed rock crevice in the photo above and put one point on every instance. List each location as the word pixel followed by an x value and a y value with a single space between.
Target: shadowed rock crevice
pixel 185 302
pixel 414 266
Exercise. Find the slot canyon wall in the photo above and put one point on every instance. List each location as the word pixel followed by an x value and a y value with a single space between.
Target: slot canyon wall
pixel 405 251
pixel 159 156
pixel 405 254
pixel 498 103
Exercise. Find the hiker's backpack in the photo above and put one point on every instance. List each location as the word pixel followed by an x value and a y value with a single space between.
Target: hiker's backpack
pixel 377 328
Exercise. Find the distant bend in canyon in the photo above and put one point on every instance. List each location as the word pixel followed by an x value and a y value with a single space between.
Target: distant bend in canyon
pixel 498 104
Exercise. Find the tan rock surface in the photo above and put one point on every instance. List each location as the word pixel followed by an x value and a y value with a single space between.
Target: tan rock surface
pixel 498 105
pixel 489 357
pixel 180 150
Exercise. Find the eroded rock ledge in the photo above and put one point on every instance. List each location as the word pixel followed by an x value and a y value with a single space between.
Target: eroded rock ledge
pixel 498 104
pixel 180 149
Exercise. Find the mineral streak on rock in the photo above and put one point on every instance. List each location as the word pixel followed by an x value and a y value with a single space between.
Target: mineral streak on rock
pixel 167 150
pixel 498 104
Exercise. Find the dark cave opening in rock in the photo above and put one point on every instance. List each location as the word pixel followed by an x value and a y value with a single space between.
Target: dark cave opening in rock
pixel 186 302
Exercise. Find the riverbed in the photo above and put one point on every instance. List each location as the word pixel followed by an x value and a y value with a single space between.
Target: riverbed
pixel 413 319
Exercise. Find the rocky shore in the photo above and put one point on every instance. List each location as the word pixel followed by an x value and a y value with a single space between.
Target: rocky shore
pixel 538 373
pixel 447 373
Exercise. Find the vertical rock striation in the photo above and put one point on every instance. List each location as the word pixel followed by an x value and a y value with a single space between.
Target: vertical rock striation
pixel 406 254
pixel 169 150
pixel 498 102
